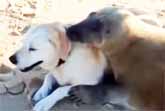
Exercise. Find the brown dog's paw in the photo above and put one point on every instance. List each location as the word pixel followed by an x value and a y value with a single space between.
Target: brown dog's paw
pixel 77 95
pixel 87 94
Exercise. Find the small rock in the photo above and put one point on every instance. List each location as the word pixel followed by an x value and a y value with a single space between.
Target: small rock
pixel 28 12
pixel 4 69
pixel 163 10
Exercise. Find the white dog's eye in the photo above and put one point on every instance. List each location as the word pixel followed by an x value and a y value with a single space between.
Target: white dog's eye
pixel 32 49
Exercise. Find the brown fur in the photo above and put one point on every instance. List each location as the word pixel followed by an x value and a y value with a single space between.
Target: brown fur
pixel 95 52
pixel 138 60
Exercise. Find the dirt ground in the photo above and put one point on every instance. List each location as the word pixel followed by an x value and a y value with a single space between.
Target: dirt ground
pixel 17 15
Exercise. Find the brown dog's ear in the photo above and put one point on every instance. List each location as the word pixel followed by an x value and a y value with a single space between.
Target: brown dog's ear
pixel 65 45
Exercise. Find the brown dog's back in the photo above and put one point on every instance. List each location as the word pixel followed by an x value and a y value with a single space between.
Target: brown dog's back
pixel 143 71
pixel 140 64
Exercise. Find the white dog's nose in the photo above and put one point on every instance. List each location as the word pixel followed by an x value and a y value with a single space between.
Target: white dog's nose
pixel 13 59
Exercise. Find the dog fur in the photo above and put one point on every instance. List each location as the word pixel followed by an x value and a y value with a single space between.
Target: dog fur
pixel 135 50
pixel 44 46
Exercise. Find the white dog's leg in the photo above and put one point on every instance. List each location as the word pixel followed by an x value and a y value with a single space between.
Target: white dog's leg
pixel 47 103
pixel 45 89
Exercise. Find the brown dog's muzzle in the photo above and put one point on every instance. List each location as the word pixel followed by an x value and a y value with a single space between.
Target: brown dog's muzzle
pixel 88 30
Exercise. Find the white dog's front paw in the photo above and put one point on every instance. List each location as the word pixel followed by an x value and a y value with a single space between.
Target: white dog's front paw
pixel 48 86
pixel 43 105
pixel 40 94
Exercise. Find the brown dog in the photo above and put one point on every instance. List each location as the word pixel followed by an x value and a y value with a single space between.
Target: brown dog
pixel 136 51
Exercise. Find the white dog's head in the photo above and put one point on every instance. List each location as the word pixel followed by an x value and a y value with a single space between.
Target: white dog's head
pixel 43 45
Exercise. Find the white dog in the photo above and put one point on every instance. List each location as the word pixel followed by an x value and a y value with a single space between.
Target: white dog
pixel 46 45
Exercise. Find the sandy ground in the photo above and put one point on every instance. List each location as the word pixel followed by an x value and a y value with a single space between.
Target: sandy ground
pixel 15 15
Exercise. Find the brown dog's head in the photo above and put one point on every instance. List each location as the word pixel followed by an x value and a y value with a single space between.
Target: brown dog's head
pixel 104 24
pixel 108 24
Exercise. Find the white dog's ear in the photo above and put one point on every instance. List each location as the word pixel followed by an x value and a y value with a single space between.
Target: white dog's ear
pixel 62 41
pixel 65 45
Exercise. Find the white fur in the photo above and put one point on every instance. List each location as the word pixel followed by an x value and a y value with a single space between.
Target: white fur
pixel 81 66
pixel 37 38
pixel 44 90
